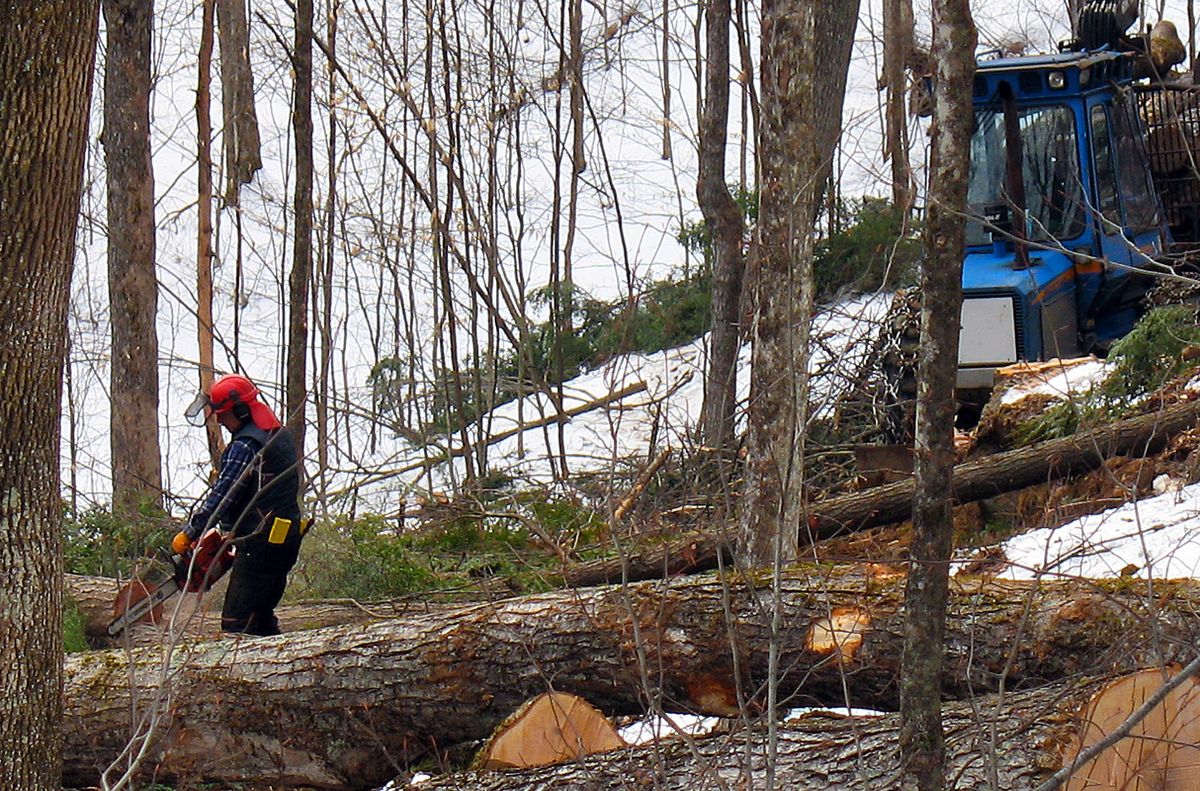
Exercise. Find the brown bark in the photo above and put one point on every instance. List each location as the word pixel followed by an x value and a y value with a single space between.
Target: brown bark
pixel 723 219
pixel 639 486
pixel 806 54
pixel 46 54
pixel 922 744
pixel 204 225
pixel 691 553
pixel 822 751
pixel 132 282
pixel 339 699
pixel 897 49
pixel 243 157
pixel 302 205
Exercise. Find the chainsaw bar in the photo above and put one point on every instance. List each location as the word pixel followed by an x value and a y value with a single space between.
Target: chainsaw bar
pixel 136 611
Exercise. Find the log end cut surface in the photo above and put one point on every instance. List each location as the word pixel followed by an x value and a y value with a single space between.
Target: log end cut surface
pixel 548 729
pixel 1161 753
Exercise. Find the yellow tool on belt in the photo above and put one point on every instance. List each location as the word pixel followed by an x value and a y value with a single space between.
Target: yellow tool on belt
pixel 279 530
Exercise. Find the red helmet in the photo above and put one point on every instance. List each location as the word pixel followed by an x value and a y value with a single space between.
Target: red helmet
pixel 236 393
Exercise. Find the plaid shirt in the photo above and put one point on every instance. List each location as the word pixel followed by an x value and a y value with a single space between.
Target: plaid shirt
pixel 239 456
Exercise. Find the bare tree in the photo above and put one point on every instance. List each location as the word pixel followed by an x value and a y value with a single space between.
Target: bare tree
pixel 806 54
pixel 242 148
pixel 302 252
pixel 46 57
pixel 204 224
pixel 897 50
pixel 921 741
pixel 132 282
pixel 724 221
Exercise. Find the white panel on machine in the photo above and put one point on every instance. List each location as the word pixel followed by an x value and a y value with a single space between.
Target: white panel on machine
pixel 988 335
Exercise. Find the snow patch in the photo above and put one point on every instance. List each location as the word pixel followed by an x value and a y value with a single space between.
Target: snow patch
pixel 1058 382
pixel 1156 537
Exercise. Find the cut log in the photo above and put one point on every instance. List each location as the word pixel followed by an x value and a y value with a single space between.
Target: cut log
pixel 891 503
pixel 552 728
pixel 336 707
pixel 1010 744
pixel 1162 752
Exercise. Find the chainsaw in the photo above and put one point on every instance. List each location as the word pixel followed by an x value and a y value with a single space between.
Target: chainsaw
pixel 195 571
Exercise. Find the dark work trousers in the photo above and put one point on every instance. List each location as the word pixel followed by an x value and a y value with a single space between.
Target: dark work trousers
pixel 256 585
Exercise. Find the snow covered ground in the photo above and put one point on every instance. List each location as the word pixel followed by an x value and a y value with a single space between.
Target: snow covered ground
pixel 604 440
pixel 1158 537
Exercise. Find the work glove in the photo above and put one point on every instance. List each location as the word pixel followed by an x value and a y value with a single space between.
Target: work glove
pixel 182 542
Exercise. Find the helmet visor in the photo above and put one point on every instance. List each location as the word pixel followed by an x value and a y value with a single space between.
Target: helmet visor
pixel 199 410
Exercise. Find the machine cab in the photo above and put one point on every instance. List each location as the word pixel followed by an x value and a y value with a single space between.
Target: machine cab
pixel 1063 212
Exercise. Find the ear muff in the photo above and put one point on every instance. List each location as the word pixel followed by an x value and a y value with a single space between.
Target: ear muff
pixel 241 410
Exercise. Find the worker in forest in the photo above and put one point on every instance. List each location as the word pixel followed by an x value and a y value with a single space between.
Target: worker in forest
pixel 255 499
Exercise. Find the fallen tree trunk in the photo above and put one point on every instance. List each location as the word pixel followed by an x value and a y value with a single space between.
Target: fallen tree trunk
pixel 1009 471
pixel 891 503
pixel 825 751
pixel 1017 741
pixel 691 553
pixel 94 597
pixel 336 707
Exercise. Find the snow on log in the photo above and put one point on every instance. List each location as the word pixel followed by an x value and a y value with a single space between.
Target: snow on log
pixel 552 728
pixel 335 707
pixel 1010 743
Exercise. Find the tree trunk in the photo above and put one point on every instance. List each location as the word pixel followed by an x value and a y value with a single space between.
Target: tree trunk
pixel 302 258
pixel 46 57
pixel 723 219
pixel 94 597
pixel 204 226
pixel 806 53
pixel 897 49
pixel 822 751
pixel 922 744
pixel 132 282
pixel 339 700
pixel 242 155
